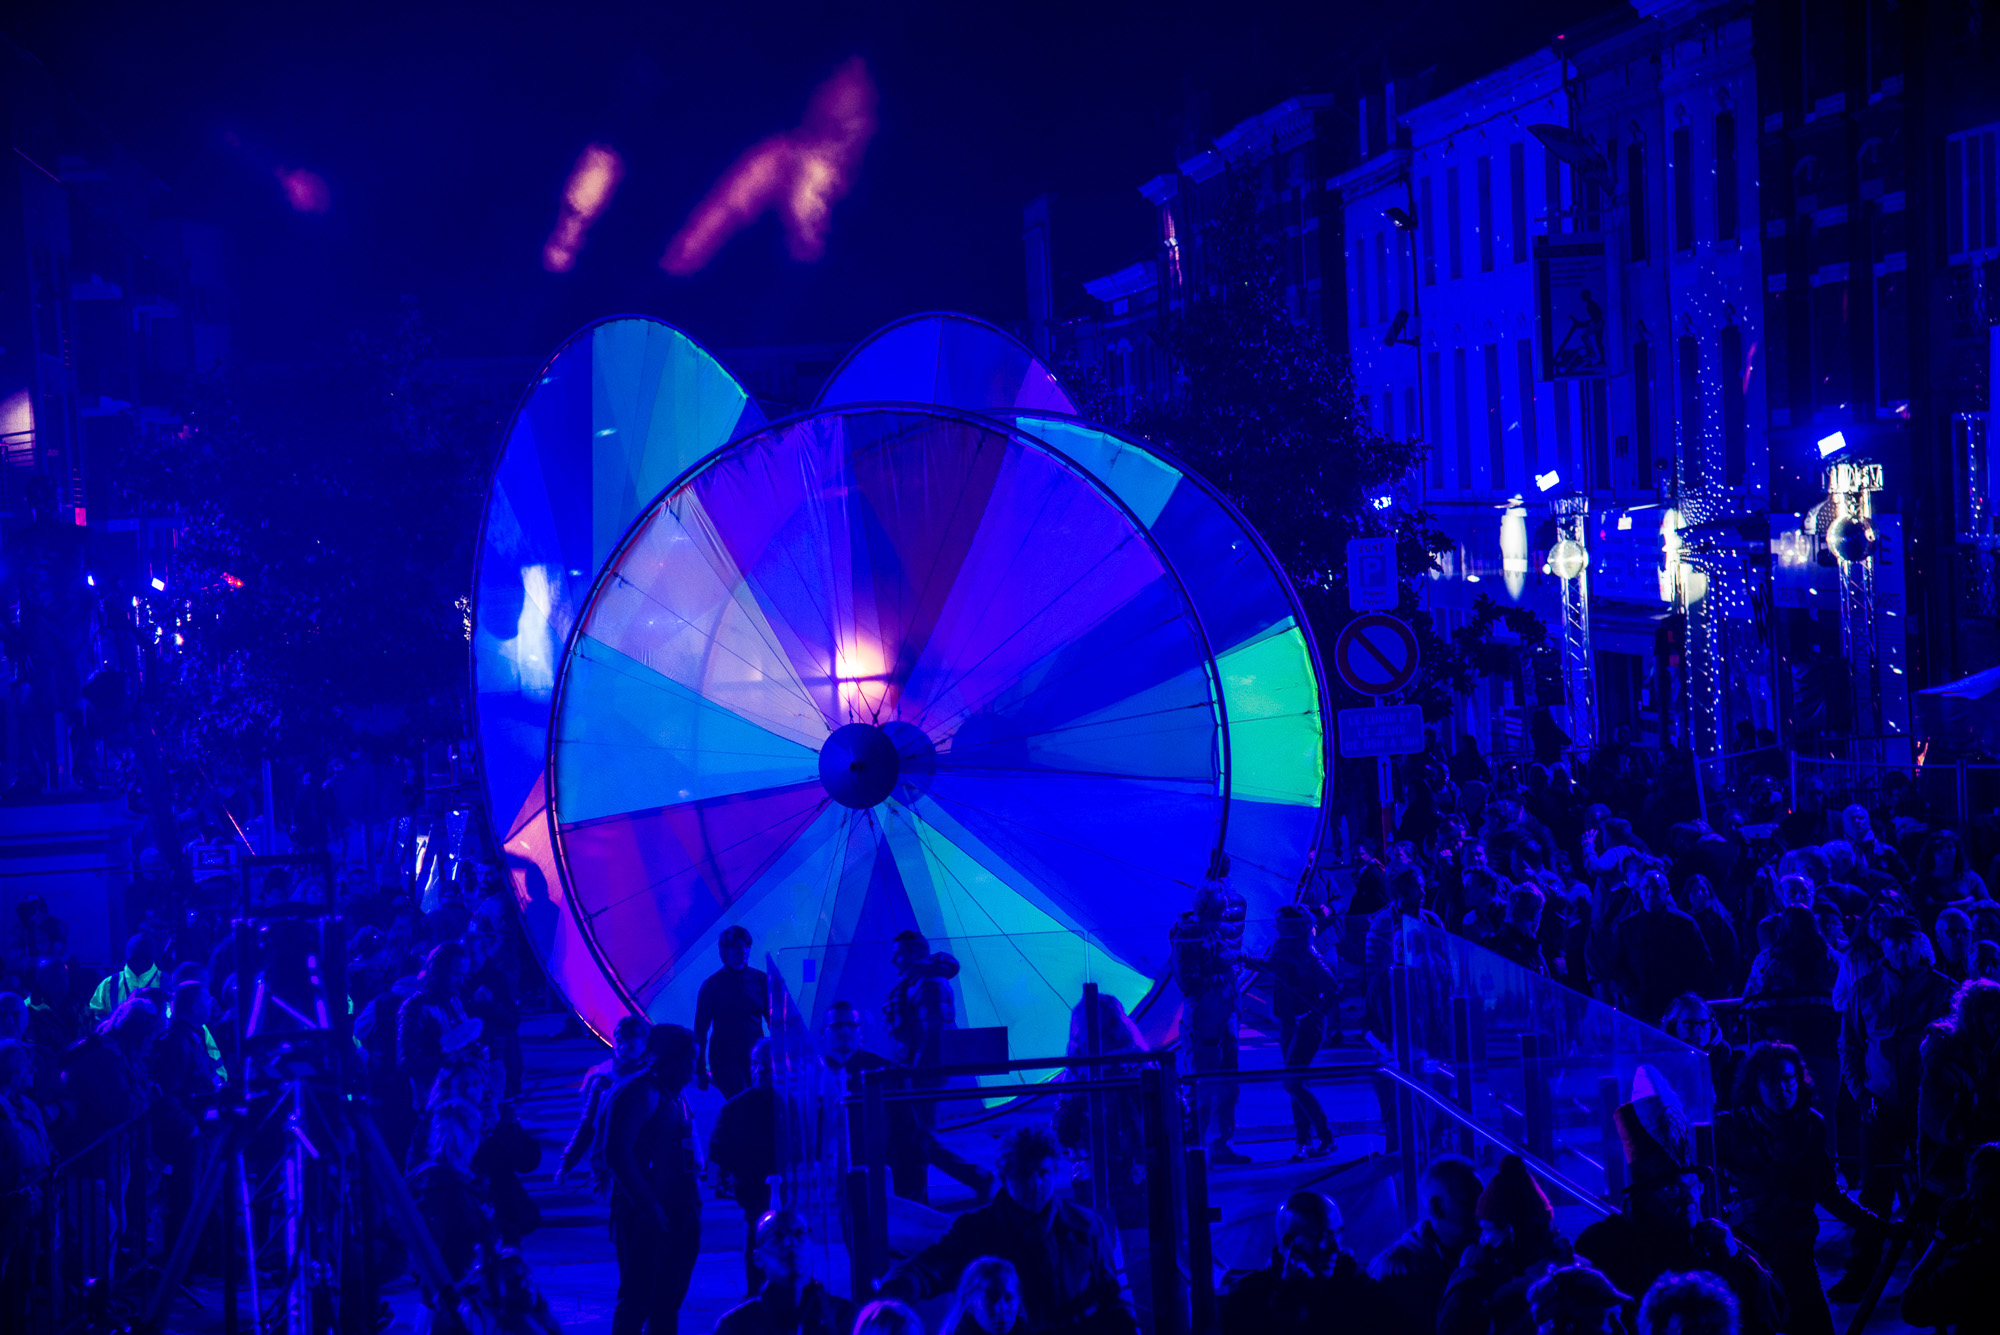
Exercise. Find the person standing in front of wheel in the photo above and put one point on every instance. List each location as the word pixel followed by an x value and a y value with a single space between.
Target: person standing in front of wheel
pixel 655 1199
pixel 730 1013
pixel 1204 966
pixel 919 1010
pixel 1304 994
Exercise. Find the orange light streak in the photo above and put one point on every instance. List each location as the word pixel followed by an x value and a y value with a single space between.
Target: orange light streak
pixel 305 191
pixel 802 173
pixel 592 182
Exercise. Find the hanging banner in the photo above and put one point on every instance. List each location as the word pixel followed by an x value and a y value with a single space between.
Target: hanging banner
pixel 1573 301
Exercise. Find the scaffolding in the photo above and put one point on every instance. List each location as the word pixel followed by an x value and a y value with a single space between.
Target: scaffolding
pixel 1570 563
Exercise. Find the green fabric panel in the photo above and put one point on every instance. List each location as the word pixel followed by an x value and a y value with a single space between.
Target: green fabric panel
pixel 1276 739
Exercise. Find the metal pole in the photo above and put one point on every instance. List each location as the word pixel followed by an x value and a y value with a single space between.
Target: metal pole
pixel 1201 1216
pixel 1406 1108
pixel 875 1137
pixel 1540 1130
pixel 1100 1138
pixel 1164 1247
pixel 1461 1065
pixel 1610 1148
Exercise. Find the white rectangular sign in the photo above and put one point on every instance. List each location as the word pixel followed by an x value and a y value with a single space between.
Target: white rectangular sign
pixel 1388 730
pixel 1371 574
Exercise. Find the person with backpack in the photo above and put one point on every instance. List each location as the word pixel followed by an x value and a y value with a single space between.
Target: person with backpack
pixel 649 1150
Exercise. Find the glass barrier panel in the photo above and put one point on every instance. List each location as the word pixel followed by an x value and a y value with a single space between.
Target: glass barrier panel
pixel 1542 1064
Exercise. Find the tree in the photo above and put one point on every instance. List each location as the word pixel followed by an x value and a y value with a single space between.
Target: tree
pixel 1265 410
pixel 328 518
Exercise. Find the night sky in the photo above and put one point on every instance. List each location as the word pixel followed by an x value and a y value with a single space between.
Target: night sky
pixel 445 133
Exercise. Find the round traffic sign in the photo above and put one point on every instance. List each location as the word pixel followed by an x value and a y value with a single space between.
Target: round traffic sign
pixel 1376 654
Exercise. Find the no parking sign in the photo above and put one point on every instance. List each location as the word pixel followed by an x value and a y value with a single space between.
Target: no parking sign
pixel 1376 654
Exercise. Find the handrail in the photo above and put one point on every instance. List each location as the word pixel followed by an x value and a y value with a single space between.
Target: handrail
pixel 1585 1197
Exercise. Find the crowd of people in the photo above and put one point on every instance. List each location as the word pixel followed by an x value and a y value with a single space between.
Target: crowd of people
pixel 108 1083
pixel 1839 966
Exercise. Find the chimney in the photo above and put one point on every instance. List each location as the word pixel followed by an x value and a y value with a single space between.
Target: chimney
pixel 1041 281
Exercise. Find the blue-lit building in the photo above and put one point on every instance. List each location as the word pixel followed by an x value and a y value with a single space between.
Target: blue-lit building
pixel 1774 501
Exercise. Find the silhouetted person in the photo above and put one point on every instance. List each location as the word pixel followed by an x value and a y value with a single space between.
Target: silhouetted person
pixel 790 1301
pixel 1888 1015
pixel 730 1014
pixel 1064 1254
pixel 1204 965
pixel 1771 1148
pixel 1956 1283
pixel 1414 1269
pixel 628 1056
pixel 1518 1246
pixel 1311 1283
pixel 744 1144
pixel 655 1199
pixel 1661 1228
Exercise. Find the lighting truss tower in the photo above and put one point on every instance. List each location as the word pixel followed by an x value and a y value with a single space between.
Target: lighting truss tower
pixel 1852 541
pixel 1570 563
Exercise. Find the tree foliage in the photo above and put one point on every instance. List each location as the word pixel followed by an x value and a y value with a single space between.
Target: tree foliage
pixel 1264 409
pixel 328 518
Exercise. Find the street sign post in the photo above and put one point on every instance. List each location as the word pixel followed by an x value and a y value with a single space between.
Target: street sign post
pixel 1386 730
pixel 1376 654
pixel 1371 574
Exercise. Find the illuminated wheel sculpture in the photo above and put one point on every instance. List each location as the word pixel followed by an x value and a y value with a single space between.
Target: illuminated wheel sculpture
pixel 1278 719
pixel 879 668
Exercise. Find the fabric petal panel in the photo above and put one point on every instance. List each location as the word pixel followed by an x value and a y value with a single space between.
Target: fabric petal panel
pixel 644 741
pixel 677 604
pixel 549 921
pixel 789 902
pixel 648 883
pixel 1051 562
pixel 952 360
pixel 1276 742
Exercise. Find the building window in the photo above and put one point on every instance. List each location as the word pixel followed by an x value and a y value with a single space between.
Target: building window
pixel 1642 415
pixel 1635 200
pixel 1827 340
pixel 1725 175
pixel 1454 252
pixel 1825 54
pixel 1690 388
pixel 1461 419
pixel 1517 198
pixel 1885 43
pixel 1682 170
pixel 1434 424
pixel 1735 416
pixel 1427 230
pixel 1892 344
pixel 1389 413
pixel 1382 276
pixel 1971 220
pixel 1773 356
pixel 1496 426
pixel 1485 174
pixel 1361 282
pixel 1410 425
pixel 1524 365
